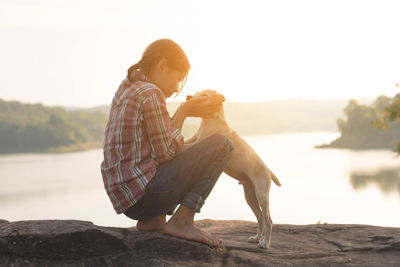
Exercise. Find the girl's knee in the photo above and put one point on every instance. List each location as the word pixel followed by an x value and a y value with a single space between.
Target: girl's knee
pixel 222 141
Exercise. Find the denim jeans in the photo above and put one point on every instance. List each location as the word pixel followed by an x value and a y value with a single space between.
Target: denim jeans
pixel 187 179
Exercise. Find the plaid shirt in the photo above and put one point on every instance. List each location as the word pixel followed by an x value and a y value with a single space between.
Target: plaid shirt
pixel 138 137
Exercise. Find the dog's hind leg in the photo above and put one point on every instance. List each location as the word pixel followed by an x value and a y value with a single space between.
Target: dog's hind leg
pixel 252 201
pixel 262 194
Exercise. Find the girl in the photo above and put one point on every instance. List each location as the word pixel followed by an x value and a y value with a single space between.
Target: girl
pixel 145 172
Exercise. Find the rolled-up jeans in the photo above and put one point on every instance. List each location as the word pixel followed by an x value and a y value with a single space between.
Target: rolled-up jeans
pixel 187 179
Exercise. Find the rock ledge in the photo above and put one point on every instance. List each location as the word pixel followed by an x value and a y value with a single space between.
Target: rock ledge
pixel 81 243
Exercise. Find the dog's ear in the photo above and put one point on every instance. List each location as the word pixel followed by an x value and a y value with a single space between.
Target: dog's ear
pixel 217 99
pixel 201 96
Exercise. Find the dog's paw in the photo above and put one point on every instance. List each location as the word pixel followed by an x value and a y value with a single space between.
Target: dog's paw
pixel 253 239
pixel 263 244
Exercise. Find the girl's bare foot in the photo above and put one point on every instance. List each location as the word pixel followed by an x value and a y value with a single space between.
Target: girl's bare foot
pixel 181 225
pixel 153 224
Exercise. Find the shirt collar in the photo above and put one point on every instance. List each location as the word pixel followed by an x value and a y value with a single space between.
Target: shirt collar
pixel 137 76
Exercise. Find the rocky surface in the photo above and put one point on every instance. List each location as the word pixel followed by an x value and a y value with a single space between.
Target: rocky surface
pixel 80 243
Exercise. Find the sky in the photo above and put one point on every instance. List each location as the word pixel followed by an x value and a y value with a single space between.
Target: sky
pixel 76 52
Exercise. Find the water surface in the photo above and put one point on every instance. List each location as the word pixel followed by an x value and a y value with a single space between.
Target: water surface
pixel 326 185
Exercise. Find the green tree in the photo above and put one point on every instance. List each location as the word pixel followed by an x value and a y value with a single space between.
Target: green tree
pixel 357 128
pixel 35 128
pixel 390 112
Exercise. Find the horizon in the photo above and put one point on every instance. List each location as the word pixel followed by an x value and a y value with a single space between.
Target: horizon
pixel 361 100
pixel 74 53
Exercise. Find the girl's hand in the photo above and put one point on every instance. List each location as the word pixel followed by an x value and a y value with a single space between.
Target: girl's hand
pixel 200 107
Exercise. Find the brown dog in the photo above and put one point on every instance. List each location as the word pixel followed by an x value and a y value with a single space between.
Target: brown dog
pixel 245 166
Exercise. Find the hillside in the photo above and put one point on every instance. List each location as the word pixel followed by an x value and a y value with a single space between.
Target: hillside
pixel 279 116
pixel 359 127
pixel 37 128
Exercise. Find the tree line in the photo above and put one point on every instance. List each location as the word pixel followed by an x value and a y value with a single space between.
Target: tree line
pixel 372 126
pixel 36 128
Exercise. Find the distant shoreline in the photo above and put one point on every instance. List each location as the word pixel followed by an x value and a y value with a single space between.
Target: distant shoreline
pixel 75 147
pixel 61 149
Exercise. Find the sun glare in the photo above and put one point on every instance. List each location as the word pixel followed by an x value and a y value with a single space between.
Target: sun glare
pixel 257 51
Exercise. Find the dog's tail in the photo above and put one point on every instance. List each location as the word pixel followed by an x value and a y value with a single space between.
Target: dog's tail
pixel 275 179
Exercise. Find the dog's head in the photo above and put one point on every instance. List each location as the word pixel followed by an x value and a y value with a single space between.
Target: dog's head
pixel 214 98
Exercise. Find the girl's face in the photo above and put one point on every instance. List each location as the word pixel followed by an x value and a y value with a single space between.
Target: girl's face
pixel 166 78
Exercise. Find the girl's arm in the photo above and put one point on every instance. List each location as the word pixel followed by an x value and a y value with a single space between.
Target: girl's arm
pixel 179 117
pixel 194 107
pixel 166 140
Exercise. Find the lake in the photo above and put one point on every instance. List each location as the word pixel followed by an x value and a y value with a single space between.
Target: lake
pixel 318 185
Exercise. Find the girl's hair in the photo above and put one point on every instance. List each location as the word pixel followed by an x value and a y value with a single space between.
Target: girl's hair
pixel 163 49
